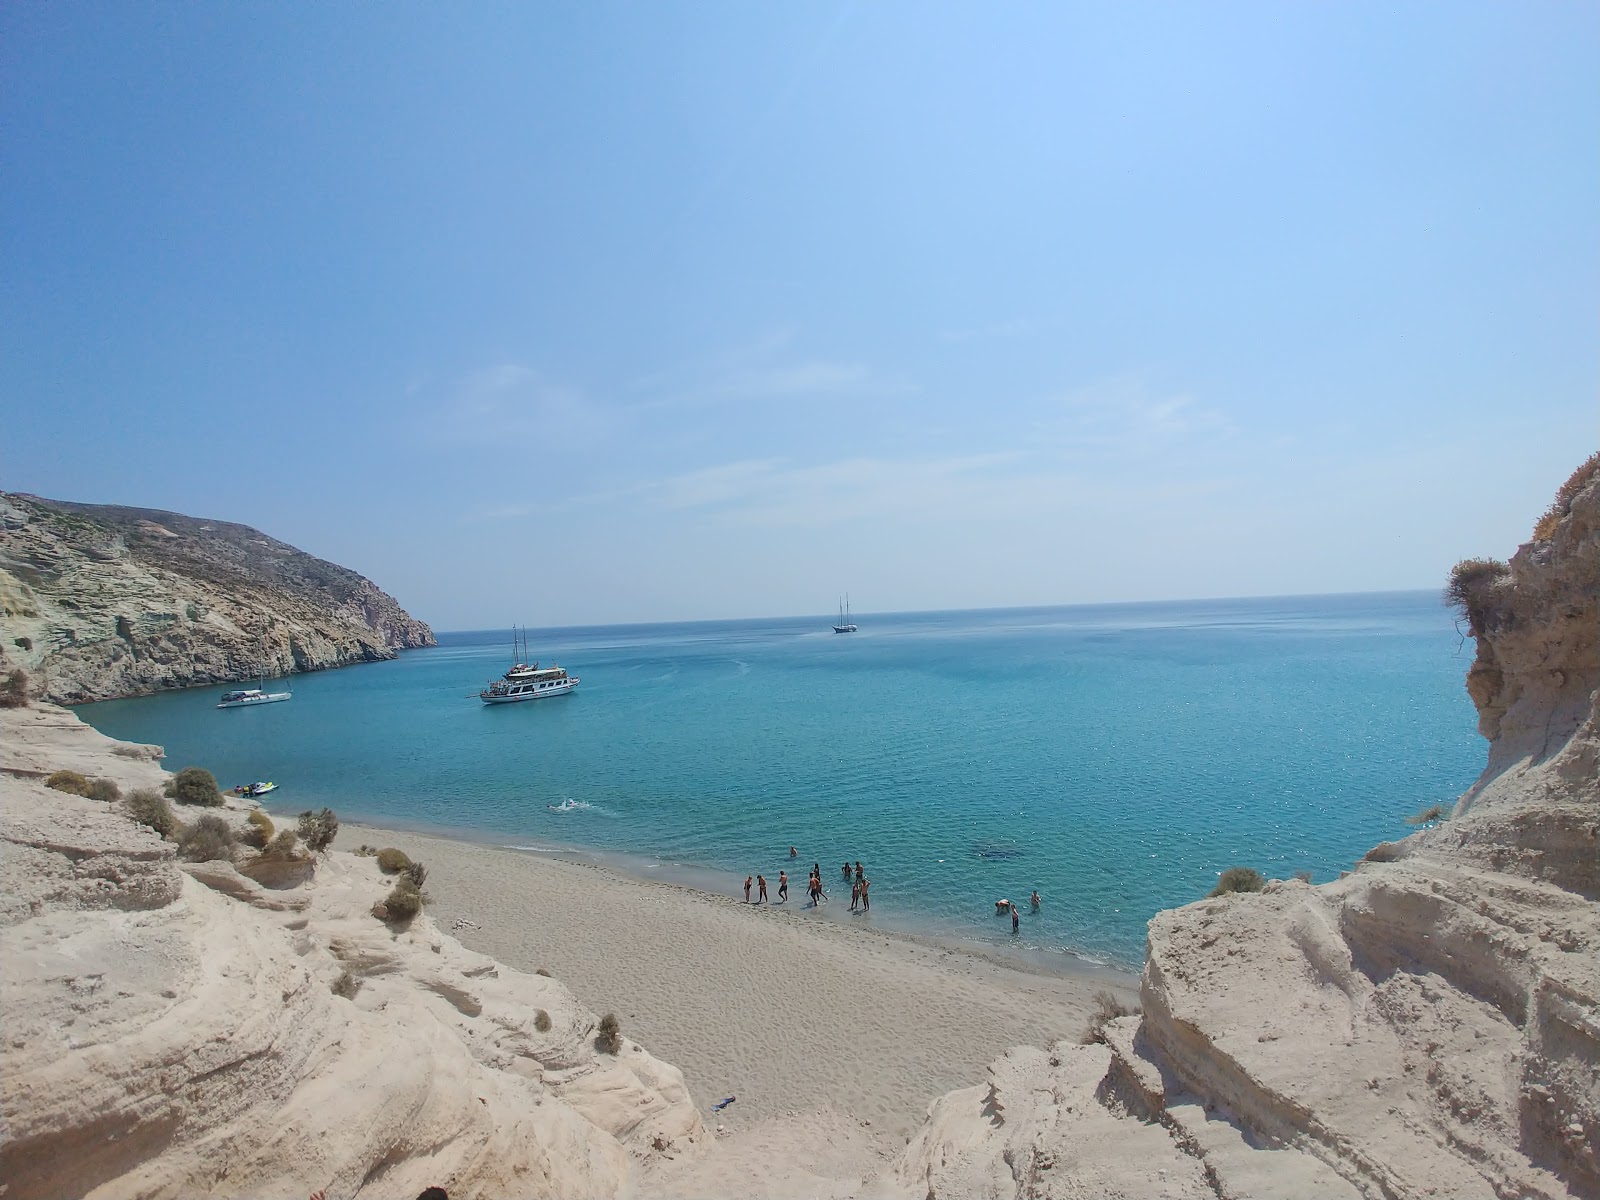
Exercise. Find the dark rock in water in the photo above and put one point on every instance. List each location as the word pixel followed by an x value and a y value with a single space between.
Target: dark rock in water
pixel 99 601
pixel 997 850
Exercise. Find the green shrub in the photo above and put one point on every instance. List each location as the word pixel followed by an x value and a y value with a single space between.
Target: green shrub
pixel 1107 1008
pixel 1434 812
pixel 258 829
pixel 403 902
pixel 105 790
pixel 317 830
pixel 347 985
pixel 392 861
pixel 196 785
pixel 541 1021
pixel 150 808
pixel 207 839
pixel 14 691
pixel 68 781
pixel 608 1038
pixel 1239 879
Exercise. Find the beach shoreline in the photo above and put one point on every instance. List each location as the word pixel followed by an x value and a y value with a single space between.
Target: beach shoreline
pixel 790 1013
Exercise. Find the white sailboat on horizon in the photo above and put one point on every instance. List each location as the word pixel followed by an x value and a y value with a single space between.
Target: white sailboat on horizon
pixel 845 625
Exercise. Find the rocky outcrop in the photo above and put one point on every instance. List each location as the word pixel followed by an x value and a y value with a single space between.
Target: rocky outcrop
pixel 98 602
pixel 1427 1026
pixel 173 1029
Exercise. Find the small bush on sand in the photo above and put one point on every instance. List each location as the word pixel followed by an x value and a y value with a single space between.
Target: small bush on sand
pixel 403 902
pixel 318 829
pixel 392 861
pixel 196 785
pixel 105 790
pixel 365 851
pixel 417 873
pixel 207 839
pixel 1107 1008
pixel 258 830
pixel 1587 470
pixel 14 691
pixel 608 1038
pixel 541 1021
pixel 542 971
pixel 347 985
pixel 150 808
pixel 283 847
pixel 1238 879
pixel 1471 591
pixel 1303 876
pixel 1434 812
pixel 68 781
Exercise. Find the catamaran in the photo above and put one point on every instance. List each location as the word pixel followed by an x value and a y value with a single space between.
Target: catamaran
pixel 525 680
pixel 845 625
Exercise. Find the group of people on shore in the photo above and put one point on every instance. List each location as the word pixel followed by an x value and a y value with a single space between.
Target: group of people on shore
pixel 860 885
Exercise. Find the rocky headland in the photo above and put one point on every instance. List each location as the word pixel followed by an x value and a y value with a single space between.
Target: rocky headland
pixel 1427 1026
pixel 99 602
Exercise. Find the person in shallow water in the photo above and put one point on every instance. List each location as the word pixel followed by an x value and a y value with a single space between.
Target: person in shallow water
pixel 866 901
pixel 1033 900
pixel 855 896
pixel 783 887
pixel 1016 918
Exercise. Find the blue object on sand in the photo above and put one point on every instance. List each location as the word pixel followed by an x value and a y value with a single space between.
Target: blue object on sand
pixel 722 1104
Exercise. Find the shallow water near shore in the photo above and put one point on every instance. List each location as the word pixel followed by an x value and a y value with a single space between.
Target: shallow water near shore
pixel 1114 757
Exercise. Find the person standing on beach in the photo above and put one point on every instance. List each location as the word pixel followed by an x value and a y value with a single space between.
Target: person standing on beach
pixel 761 883
pixel 866 902
pixel 747 882
pixel 783 887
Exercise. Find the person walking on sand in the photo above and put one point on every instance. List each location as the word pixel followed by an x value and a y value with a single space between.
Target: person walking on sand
pixel 747 882
pixel 783 887
pixel 761 883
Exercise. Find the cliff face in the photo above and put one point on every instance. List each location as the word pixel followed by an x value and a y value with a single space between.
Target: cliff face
pixel 98 602
pixel 1427 1026
pixel 171 1029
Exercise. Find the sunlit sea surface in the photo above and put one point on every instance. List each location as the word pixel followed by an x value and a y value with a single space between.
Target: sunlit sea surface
pixel 1113 757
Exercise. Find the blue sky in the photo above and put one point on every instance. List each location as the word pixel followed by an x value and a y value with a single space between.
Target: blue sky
pixel 573 314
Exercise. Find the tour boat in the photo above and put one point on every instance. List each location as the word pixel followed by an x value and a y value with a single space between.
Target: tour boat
pixel 845 625
pixel 525 680
pixel 249 696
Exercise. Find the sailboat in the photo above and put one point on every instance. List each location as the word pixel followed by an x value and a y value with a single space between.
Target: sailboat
pixel 525 680
pixel 845 625
pixel 249 697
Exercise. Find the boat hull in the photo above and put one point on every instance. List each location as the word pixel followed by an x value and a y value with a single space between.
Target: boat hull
pixel 273 698
pixel 844 628
pixel 516 695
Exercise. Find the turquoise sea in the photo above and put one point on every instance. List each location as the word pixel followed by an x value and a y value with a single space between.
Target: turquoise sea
pixel 1114 757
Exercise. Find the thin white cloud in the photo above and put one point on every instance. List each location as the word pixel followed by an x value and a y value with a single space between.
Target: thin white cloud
pixel 766 368
pixel 511 403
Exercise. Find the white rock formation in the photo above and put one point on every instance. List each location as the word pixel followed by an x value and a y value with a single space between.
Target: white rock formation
pixel 1427 1026
pixel 170 1030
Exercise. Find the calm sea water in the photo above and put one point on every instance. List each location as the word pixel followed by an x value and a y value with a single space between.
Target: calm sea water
pixel 1113 757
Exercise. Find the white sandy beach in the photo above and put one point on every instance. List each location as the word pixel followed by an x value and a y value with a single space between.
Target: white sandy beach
pixel 789 1013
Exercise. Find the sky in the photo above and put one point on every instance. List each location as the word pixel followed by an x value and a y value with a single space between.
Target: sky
pixel 576 314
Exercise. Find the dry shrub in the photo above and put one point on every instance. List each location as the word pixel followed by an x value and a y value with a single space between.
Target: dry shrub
pixel 70 782
pixel 282 848
pixel 105 790
pixel 1238 879
pixel 417 873
pixel 347 985
pixel 150 808
pixel 608 1038
pixel 1303 876
pixel 403 902
pixel 196 785
pixel 207 839
pixel 1107 1008
pixel 318 829
pixel 365 851
pixel 258 830
pixel 541 1021
pixel 542 971
pixel 392 861
pixel 1434 812
pixel 1471 591
pixel 14 691
pixel 1565 495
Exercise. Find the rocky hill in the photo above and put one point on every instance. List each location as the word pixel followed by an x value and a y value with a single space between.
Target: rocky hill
pixel 1428 1026
pixel 98 602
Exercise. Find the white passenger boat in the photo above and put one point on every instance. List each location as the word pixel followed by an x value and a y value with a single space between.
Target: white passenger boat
pixel 527 681
pixel 251 696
